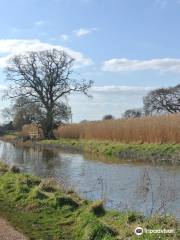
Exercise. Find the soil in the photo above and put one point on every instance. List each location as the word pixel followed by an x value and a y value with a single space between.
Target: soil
pixel 7 232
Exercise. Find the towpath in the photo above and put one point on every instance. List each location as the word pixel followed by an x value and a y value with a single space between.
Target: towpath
pixel 7 232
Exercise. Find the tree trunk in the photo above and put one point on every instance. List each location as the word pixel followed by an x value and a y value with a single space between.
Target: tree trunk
pixel 48 133
pixel 47 127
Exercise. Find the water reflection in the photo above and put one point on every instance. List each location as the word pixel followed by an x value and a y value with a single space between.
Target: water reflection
pixel 117 183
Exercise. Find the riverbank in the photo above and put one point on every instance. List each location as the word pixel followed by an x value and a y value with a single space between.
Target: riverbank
pixel 43 209
pixel 146 152
pixel 160 153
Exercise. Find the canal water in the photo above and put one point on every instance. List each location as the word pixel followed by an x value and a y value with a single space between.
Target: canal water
pixel 123 185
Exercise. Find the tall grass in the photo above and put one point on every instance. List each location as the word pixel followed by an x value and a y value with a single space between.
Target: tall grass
pixel 29 128
pixel 156 129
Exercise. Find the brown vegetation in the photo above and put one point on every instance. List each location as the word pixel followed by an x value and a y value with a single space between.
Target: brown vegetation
pixel 156 129
pixel 32 130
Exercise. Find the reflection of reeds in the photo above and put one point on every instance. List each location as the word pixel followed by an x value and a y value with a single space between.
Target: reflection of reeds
pixel 156 129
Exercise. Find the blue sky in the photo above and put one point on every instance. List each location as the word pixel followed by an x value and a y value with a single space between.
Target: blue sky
pixel 127 47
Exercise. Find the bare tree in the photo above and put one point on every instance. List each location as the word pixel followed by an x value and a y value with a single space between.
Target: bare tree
pixel 45 78
pixel 163 100
pixel 133 113
pixel 23 111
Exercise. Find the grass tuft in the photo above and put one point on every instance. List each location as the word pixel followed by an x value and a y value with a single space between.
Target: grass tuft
pixel 15 169
pixel 134 217
pixel 66 200
pixel 3 168
pixel 97 208
pixel 37 194
pixel 48 185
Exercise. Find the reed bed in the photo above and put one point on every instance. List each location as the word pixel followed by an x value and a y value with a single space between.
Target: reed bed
pixel 156 129
pixel 29 128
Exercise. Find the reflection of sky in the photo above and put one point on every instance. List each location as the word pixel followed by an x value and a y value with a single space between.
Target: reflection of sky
pixel 117 183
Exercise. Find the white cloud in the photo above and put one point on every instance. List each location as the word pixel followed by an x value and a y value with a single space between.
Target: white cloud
pixel 119 88
pixel 4 60
pixel 123 64
pixel 107 100
pixel 40 23
pixel 2 87
pixel 10 47
pixel 84 31
pixel 2 91
pixel 64 37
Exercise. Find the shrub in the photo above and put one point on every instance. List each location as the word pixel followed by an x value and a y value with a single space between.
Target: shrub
pixel 3 168
pixel 97 208
pixel 48 185
pixel 15 169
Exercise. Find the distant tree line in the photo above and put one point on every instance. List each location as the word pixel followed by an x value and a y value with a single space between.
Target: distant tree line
pixel 23 111
pixel 158 101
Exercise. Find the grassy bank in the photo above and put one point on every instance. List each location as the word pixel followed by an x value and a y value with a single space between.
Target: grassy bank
pixel 42 209
pixel 158 153
pixel 150 152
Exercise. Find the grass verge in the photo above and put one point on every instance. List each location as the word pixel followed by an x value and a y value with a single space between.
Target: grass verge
pixel 152 152
pixel 42 209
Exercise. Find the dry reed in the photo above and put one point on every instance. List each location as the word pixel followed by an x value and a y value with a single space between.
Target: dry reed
pixel 156 129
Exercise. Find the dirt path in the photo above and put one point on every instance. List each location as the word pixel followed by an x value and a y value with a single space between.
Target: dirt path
pixel 9 233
